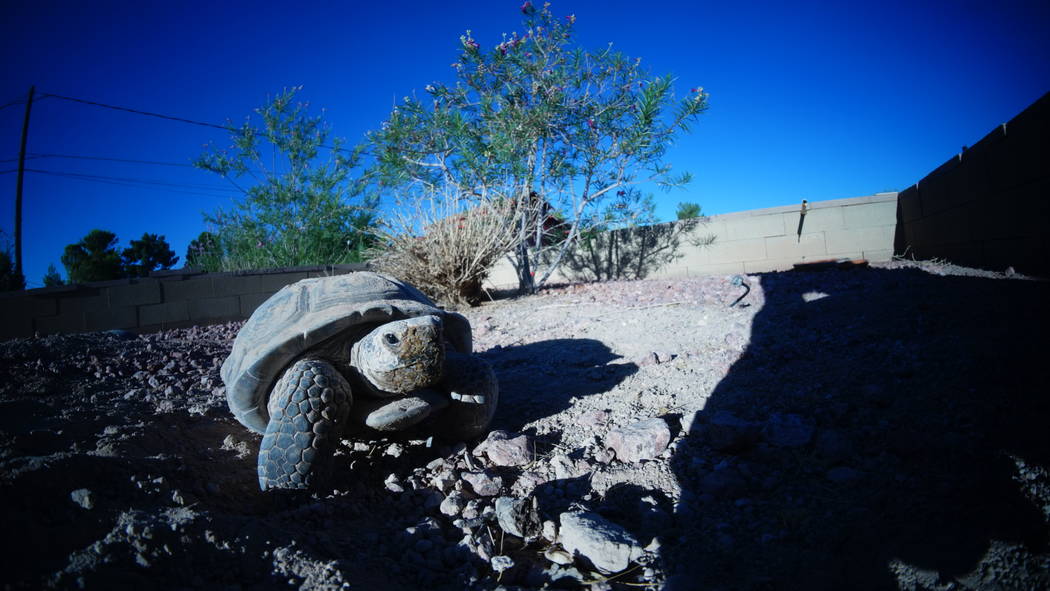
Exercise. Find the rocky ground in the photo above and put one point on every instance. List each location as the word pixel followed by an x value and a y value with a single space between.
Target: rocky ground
pixel 879 428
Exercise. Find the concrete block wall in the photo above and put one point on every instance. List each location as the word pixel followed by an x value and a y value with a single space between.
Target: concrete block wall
pixel 988 206
pixel 169 299
pixel 768 239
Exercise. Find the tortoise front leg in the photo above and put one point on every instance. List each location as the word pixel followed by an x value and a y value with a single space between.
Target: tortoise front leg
pixel 308 409
pixel 474 394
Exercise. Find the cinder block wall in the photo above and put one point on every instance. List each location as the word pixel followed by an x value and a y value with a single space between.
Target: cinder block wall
pixel 170 299
pixel 768 239
pixel 989 206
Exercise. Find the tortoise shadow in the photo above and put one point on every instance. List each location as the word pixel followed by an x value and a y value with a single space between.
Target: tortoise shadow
pixel 540 379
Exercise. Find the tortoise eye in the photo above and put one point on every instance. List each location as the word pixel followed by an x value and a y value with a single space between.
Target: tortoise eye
pixel 390 338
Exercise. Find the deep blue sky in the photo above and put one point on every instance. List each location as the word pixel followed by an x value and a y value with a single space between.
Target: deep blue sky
pixel 808 100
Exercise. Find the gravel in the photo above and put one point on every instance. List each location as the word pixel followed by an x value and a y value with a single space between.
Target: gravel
pixel 880 428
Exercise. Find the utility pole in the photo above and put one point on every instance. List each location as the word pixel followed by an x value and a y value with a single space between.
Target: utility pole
pixel 18 188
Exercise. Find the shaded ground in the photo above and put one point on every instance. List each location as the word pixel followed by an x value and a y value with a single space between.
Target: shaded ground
pixel 881 428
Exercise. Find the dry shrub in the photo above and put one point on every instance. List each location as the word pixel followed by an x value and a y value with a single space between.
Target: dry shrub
pixel 445 243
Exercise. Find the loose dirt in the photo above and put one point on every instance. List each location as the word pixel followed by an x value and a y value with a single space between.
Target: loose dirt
pixel 873 428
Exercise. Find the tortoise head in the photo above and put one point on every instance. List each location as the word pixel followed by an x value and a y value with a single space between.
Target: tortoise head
pixel 401 356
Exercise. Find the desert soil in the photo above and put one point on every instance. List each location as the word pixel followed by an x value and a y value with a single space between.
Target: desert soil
pixel 875 428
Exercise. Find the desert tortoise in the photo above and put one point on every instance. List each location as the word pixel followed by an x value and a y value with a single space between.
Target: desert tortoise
pixel 330 355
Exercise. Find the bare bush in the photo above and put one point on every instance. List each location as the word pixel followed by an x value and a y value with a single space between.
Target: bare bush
pixel 446 242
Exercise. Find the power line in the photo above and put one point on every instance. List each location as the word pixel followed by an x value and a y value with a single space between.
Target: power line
pixel 108 159
pixel 130 110
pixel 195 189
pixel 12 103
pixel 160 115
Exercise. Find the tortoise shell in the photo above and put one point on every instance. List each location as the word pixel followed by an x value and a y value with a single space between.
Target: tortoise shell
pixel 306 316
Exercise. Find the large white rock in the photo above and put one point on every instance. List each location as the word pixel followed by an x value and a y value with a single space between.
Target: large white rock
pixel 609 547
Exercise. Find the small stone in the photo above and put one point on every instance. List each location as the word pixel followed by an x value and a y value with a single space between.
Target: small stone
pixel 472 509
pixel 557 555
pixel 501 563
pixel 391 483
pixel 484 546
pixel 83 497
pixel 593 418
pixel 518 517
pixel 639 441
pixel 788 430
pixel 443 482
pixel 502 450
pixel 483 483
pixel 453 504
pixel 394 450
pixel 607 545
pixel 564 468
pixel 181 498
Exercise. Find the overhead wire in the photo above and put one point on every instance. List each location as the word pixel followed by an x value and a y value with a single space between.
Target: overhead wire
pixel 137 111
pixel 108 159
pixel 190 188
pixel 159 115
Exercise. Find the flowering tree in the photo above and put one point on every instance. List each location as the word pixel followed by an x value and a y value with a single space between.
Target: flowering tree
pixel 535 116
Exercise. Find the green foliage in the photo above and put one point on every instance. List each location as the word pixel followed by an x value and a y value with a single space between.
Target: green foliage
pixel 94 258
pixel 204 252
pixel 297 209
pixel 52 278
pixel 534 115
pixel 150 253
pixel 688 211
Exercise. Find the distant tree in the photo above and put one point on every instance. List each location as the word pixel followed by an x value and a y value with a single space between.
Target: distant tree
pixel 10 280
pixel 52 278
pixel 204 252
pixel 299 209
pixel 688 211
pixel 94 258
pixel 150 253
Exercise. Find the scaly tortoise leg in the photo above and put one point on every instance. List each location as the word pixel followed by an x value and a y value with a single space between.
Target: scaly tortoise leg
pixel 474 394
pixel 308 409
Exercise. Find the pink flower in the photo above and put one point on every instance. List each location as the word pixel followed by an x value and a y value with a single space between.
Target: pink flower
pixel 590 123
pixel 571 18
pixel 526 8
